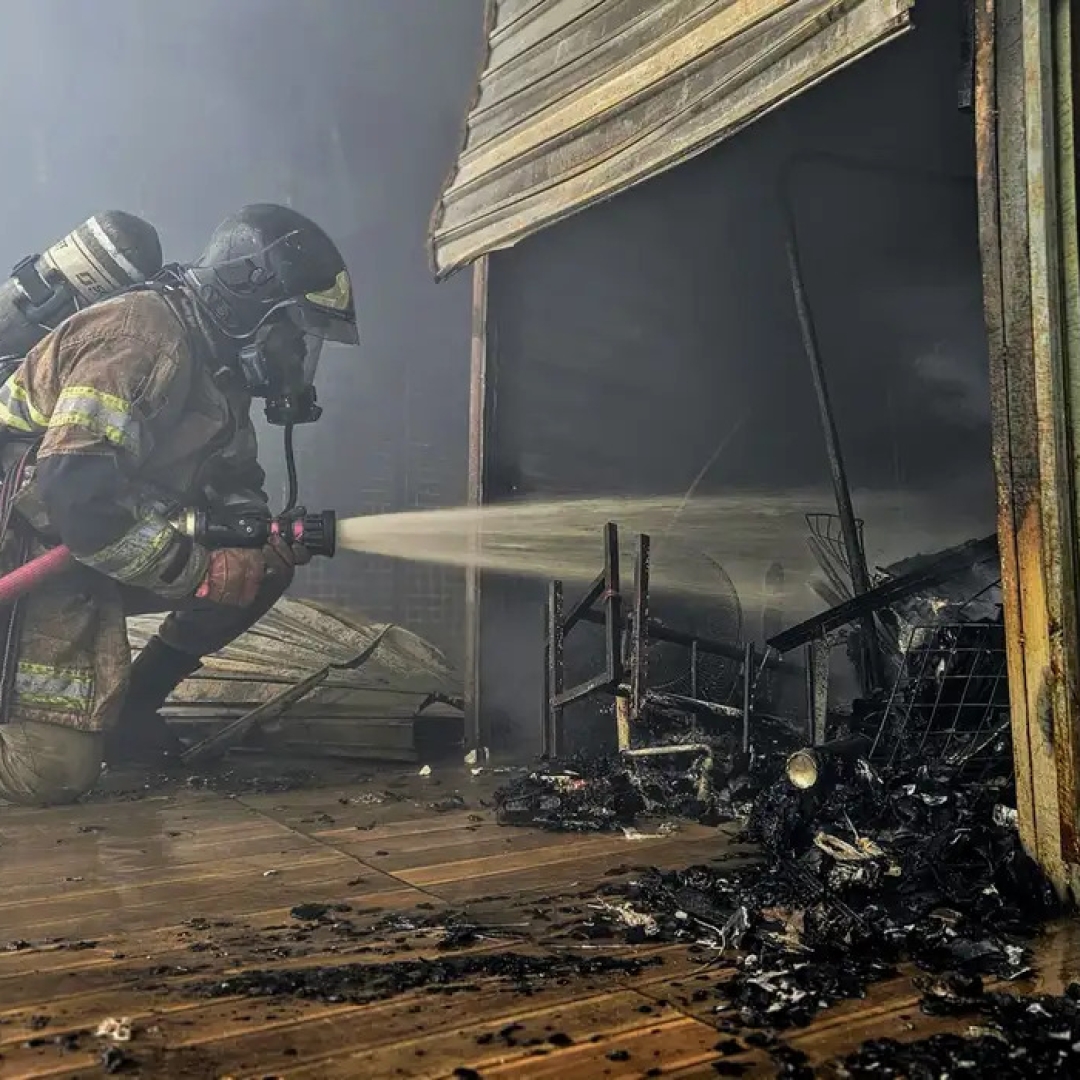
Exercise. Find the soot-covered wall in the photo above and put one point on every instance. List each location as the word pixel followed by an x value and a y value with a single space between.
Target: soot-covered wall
pixel 630 340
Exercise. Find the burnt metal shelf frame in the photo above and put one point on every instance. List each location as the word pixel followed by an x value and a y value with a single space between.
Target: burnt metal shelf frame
pixel 627 635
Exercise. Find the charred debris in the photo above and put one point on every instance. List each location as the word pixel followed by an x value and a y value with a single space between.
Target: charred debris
pixel 884 833
pixel 698 727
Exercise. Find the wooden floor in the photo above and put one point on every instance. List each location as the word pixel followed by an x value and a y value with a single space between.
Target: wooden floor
pixel 118 907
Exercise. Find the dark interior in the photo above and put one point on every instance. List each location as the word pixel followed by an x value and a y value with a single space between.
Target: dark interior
pixel 635 337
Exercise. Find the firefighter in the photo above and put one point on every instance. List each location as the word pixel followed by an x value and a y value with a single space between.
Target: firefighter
pixel 128 410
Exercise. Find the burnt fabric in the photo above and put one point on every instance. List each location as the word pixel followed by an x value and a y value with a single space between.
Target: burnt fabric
pixel 132 422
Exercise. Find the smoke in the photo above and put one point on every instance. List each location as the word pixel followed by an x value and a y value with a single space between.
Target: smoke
pixel 631 337
pixel 348 110
pixel 957 389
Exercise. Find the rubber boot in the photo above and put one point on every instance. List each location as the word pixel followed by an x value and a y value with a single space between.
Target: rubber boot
pixel 141 736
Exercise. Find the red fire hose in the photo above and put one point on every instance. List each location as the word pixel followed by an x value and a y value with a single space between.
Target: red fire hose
pixel 316 532
pixel 30 575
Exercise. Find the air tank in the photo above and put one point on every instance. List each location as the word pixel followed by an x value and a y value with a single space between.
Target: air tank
pixel 104 255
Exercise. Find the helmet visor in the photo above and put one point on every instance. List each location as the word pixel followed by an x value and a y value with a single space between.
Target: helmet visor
pixel 331 314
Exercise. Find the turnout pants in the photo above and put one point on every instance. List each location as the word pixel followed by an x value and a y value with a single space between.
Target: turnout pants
pixel 51 764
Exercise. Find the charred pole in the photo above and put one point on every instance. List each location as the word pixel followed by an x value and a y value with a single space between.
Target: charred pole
pixel 856 557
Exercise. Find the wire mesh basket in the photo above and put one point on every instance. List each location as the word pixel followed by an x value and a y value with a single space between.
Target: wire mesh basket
pixel 949 704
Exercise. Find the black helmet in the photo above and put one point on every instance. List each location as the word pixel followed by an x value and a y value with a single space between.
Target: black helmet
pixel 267 258
pixel 273 281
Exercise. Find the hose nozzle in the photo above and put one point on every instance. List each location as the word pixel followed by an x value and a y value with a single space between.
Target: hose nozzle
pixel 317 532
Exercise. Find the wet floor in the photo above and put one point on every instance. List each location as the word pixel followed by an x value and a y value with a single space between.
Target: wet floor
pixel 133 906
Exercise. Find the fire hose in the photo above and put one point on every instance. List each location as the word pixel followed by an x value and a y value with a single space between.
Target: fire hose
pixel 316 532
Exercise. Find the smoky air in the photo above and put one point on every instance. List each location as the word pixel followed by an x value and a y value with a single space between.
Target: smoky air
pixel 348 110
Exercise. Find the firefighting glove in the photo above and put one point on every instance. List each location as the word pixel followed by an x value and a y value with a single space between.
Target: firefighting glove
pixel 234 576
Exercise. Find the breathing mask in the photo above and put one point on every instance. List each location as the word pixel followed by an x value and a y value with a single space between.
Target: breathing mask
pixel 273 282
pixel 279 365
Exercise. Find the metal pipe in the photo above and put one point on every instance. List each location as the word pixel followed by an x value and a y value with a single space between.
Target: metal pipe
pixel 805 768
pixel 860 577
pixel 748 694
pixel 680 701
pixel 672 748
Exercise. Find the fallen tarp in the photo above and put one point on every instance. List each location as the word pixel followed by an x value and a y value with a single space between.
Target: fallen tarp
pixel 367 712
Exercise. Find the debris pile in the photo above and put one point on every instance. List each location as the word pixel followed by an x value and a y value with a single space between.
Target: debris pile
pixel 609 793
pixel 896 845
pixel 590 795
pixel 1014 1036
pixel 874 870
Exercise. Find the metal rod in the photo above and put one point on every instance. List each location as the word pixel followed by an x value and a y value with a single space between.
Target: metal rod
pixel 612 604
pixel 554 717
pixel 545 709
pixel 681 701
pixel 747 693
pixel 592 594
pixel 639 628
pixel 658 631
pixel 860 577
pixel 671 748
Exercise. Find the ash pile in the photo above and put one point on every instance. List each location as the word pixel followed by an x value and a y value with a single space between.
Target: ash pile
pixel 885 833
pixel 858 875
